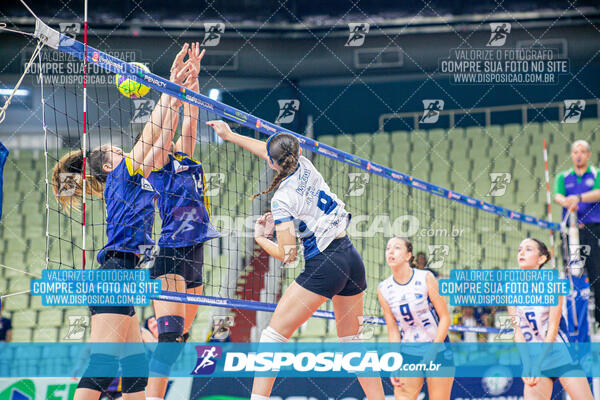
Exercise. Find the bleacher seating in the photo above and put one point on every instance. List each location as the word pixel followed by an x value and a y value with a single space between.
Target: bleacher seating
pixel 460 159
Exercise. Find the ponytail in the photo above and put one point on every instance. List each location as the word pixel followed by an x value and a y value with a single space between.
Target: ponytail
pixel 284 149
pixel 543 250
pixel 67 184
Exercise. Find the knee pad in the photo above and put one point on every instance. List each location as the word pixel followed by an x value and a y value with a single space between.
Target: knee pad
pixel 102 365
pixel 134 366
pixel 170 324
pixel 98 384
pixel 185 336
pixel 133 385
pixel 270 335
pixel 170 346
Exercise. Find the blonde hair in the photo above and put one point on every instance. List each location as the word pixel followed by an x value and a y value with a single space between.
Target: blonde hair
pixel 67 184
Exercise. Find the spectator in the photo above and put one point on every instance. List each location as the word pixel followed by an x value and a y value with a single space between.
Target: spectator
pixel 5 329
pixel 578 189
pixel 421 263
pixel 468 320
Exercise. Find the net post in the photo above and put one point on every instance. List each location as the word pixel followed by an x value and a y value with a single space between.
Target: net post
pixel 84 134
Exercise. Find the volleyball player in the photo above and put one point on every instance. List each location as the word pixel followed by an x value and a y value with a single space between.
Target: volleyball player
pixel 545 324
pixel 333 270
pixel 410 297
pixel 183 209
pixel 121 180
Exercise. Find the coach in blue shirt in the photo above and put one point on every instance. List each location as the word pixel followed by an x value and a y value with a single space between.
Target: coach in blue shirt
pixel 578 189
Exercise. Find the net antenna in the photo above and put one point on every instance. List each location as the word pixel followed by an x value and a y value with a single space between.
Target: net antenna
pixel 570 241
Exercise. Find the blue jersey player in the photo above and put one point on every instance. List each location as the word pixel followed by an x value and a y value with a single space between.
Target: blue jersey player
pixel 122 181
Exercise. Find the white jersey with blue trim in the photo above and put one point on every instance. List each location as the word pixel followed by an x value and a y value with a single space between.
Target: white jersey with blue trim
pixel 412 309
pixel 319 215
pixel 534 321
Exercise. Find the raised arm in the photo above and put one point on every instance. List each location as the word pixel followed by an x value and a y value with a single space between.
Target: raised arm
pixel 154 126
pixel 187 141
pixel 158 154
pixel 257 147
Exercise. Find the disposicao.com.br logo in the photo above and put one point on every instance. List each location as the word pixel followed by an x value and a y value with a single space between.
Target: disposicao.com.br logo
pixel 309 360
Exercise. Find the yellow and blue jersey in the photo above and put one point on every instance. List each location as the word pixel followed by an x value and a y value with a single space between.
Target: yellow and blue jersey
pixel 183 205
pixel 129 199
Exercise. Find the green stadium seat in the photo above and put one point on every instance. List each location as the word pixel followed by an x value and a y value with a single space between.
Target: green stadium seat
pixel 21 334
pixel 24 319
pixel 50 317
pixel 16 303
pixel 327 139
pixel 345 143
pixel 45 334
pixel 18 284
pixel 381 140
pixel 363 143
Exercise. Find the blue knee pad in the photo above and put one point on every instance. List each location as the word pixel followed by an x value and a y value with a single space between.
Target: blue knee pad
pixel 170 344
pixel 100 372
pixel 135 373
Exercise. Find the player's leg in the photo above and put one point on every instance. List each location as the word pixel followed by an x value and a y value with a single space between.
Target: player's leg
pixel 409 389
pixel 541 391
pixel 170 318
pixel 293 309
pixel 134 364
pixel 191 310
pixel 105 328
pixel 348 310
pixel 439 388
pixel 577 387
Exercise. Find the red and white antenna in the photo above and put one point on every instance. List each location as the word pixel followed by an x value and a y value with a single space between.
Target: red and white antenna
pixel 84 131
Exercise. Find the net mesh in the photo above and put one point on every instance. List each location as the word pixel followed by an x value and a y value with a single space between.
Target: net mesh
pixel 452 235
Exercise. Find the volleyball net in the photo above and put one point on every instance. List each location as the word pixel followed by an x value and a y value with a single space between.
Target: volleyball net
pixel 452 229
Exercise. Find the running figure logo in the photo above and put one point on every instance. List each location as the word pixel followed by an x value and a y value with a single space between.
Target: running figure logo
pixel 499 183
pixel 212 33
pixel 573 111
pixel 142 110
pixel 77 327
pixel 287 111
pixel 431 112
pixel 499 34
pixel 207 363
pixel 437 255
pixel 215 181
pixel 357 183
pixel 358 31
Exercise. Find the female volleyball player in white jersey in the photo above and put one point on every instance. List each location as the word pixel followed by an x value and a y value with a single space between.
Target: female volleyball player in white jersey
pixel 121 180
pixel 303 203
pixel 410 297
pixel 545 324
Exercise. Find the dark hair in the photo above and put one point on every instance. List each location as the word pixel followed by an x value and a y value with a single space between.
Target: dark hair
pixel 409 247
pixel 542 248
pixel 67 184
pixel 282 149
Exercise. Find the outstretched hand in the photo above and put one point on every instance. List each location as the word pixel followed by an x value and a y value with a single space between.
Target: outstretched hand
pixel 221 128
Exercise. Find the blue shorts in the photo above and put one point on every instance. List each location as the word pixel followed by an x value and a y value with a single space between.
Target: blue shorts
pixel 337 271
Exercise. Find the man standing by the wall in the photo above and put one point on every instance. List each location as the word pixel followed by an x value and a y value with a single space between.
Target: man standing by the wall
pixel 579 189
